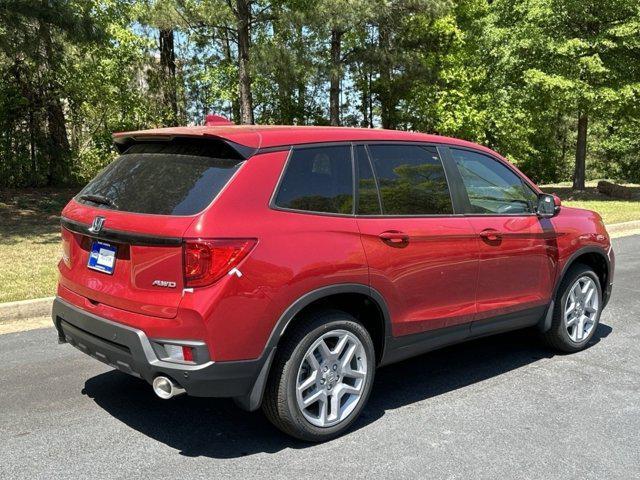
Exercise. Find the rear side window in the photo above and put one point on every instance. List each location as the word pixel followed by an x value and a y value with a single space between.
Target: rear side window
pixel 492 187
pixel 411 179
pixel 163 178
pixel 318 179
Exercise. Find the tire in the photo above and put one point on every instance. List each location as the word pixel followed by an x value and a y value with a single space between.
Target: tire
pixel 294 365
pixel 562 333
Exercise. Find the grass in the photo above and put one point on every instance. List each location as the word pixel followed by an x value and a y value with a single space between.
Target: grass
pixel 612 210
pixel 30 233
pixel 30 242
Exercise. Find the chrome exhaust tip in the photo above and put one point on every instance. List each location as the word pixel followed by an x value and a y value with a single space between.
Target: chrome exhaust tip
pixel 166 388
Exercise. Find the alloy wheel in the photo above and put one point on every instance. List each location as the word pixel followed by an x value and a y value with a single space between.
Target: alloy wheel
pixel 581 308
pixel 331 378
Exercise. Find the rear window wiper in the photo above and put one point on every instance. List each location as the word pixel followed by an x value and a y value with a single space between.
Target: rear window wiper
pixel 100 199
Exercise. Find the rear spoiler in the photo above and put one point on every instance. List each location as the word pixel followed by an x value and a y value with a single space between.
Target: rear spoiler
pixel 122 142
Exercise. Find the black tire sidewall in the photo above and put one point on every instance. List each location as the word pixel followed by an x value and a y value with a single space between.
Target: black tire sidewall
pixel 308 430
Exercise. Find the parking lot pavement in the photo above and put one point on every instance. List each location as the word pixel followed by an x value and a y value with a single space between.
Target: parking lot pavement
pixel 502 407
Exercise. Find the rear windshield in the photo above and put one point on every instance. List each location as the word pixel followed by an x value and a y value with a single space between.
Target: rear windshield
pixel 163 178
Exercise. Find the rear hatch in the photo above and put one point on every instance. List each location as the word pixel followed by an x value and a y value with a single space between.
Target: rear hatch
pixel 123 233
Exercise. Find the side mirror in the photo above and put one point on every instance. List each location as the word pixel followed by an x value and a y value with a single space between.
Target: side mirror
pixel 548 205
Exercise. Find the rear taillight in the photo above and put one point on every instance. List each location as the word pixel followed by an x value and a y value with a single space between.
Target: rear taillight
pixel 66 247
pixel 207 261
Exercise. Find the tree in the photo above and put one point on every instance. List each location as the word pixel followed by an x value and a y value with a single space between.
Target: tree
pixel 235 20
pixel 580 55
pixel 165 17
pixel 288 75
pixel 406 53
pixel 552 84
pixel 211 72
pixel 244 18
pixel 32 44
pixel 331 20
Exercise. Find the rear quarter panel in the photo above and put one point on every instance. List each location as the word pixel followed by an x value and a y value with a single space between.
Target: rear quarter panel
pixel 296 253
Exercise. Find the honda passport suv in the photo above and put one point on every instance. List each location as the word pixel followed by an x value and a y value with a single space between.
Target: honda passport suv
pixel 280 266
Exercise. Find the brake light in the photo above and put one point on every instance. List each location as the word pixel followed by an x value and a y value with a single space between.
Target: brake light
pixel 207 261
pixel 66 247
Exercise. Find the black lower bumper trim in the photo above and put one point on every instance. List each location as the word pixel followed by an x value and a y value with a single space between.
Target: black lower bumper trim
pixel 129 350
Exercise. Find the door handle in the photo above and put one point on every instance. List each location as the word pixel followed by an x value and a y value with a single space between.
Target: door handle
pixel 394 238
pixel 491 235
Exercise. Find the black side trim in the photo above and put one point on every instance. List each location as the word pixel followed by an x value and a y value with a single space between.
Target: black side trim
pixel 119 236
pixel 401 348
pixel 407 346
pixel 509 321
pixel 571 260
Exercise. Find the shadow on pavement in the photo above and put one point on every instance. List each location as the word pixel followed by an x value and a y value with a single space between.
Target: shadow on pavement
pixel 217 428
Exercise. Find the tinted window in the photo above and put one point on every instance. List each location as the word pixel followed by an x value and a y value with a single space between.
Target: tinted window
pixel 492 187
pixel 318 180
pixel 411 180
pixel 368 202
pixel 163 178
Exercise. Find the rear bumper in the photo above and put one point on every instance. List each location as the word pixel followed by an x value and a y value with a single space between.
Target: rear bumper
pixel 130 350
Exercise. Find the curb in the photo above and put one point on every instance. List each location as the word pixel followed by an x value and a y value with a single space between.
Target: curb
pixel 39 307
pixel 621 227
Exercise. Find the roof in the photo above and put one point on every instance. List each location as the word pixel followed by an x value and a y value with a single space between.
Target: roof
pixel 268 136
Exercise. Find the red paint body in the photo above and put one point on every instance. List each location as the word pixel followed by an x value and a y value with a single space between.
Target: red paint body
pixel 449 273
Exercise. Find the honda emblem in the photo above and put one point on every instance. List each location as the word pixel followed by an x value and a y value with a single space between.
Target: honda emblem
pixel 97 224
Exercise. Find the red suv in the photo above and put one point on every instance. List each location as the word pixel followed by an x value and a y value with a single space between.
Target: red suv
pixel 280 266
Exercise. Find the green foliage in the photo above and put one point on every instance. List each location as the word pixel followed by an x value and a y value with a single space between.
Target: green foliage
pixel 560 58
pixel 417 189
pixel 510 74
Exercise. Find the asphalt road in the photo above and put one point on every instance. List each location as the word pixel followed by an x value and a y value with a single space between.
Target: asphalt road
pixel 501 407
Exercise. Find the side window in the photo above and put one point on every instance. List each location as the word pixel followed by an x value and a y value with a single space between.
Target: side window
pixel 491 186
pixel 411 180
pixel 368 201
pixel 318 179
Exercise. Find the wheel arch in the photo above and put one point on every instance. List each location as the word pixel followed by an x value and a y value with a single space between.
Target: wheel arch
pixel 354 298
pixel 592 256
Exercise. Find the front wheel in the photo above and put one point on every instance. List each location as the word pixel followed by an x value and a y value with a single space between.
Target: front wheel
pixel 576 311
pixel 321 378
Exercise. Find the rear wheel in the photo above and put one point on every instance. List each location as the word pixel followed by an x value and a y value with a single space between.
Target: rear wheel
pixel 321 378
pixel 576 311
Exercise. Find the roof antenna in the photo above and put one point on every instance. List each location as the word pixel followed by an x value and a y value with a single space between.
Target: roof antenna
pixel 212 120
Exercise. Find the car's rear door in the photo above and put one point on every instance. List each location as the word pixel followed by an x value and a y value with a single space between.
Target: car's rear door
pixel 516 248
pixel 422 256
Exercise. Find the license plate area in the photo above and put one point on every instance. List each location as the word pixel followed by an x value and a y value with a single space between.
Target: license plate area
pixel 102 257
